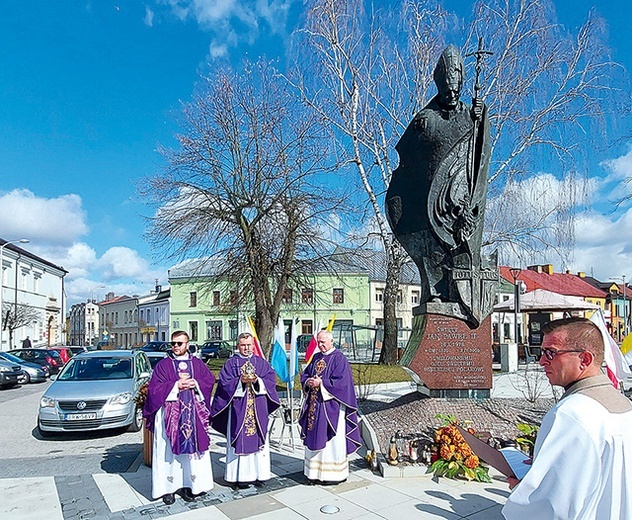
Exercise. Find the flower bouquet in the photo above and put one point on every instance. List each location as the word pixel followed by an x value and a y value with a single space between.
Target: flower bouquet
pixel 141 396
pixel 455 455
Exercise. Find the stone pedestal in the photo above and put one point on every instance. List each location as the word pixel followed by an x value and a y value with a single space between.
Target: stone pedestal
pixel 451 359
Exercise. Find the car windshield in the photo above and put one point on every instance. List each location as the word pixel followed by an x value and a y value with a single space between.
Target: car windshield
pixel 97 369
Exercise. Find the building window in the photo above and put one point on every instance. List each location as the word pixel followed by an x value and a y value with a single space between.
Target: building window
pixel 193 330
pixel 400 326
pixel 193 299
pixel 234 298
pixel 216 298
pixel 415 297
pixel 379 295
pixel 307 296
pixel 399 297
pixel 307 327
pixel 233 326
pixel 214 330
pixel 338 295
pixel 287 296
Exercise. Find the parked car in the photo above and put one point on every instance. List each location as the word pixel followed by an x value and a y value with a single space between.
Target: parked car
pixel 95 391
pixel 156 346
pixel 77 349
pixel 32 372
pixel 41 356
pixel 10 374
pixel 64 352
pixel 154 357
pixel 216 349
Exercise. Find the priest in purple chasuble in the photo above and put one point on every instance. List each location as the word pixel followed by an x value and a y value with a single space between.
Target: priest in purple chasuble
pixel 246 395
pixel 177 412
pixel 329 418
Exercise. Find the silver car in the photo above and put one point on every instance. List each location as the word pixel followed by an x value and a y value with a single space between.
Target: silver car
pixel 32 372
pixel 95 391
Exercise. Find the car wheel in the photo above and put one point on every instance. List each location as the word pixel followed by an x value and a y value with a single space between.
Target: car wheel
pixel 25 379
pixel 137 422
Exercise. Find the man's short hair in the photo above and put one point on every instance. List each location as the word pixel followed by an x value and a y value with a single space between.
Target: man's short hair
pixel 244 335
pixel 180 333
pixel 581 333
pixel 326 333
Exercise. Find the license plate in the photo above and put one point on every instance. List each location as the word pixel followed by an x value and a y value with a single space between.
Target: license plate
pixel 81 416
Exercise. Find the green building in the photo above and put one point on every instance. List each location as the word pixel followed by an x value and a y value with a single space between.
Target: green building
pixel 351 288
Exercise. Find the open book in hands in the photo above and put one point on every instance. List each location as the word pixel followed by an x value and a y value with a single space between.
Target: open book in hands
pixel 511 462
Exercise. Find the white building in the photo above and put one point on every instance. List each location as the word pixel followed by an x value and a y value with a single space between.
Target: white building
pixel 32 298
pixel 153 315
pixel 83 324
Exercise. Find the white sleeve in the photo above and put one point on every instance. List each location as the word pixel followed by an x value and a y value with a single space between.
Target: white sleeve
pixel 564 475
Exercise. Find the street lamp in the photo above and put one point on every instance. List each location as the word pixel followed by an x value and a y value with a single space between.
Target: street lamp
pixel 515 272
pixel 2 317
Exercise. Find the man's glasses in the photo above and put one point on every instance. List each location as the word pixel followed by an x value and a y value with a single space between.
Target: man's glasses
pixel 551 353
pixel 178 343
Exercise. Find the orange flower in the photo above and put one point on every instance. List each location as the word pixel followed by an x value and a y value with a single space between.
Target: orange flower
pixel 471 462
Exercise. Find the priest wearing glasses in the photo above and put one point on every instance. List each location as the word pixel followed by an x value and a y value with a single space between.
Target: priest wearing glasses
pixel 582 463
pixel 177 411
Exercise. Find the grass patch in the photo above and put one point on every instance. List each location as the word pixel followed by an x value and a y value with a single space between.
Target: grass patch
pixel 378 374
pixel 362 373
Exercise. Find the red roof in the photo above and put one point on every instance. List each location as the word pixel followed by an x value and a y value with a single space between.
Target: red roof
pixel 560 283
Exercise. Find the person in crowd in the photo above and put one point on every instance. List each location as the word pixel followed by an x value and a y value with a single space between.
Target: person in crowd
pixel 246 396
pixel 177 411
pixel 582 463
pixel 329 418
pixel 26 343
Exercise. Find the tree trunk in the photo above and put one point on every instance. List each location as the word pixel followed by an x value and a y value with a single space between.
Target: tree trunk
pixel 388 355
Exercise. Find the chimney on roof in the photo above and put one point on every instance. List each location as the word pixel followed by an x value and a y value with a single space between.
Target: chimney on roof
pixel 581 274
pixel 547 268
pixel 536 268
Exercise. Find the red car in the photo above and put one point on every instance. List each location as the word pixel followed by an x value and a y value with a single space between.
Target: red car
pixel 64 352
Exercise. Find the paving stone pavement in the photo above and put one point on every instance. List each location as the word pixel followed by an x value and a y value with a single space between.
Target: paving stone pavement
pixel 365 495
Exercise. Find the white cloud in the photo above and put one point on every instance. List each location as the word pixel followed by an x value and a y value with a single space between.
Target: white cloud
pixel 122 262
pixel 217 50
pixel 149 17
pixel 55 221
pixel 227 18
pixel 603 245
pixel 620 168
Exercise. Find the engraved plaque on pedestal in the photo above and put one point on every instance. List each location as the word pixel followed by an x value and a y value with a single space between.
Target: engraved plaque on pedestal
pixel 451 359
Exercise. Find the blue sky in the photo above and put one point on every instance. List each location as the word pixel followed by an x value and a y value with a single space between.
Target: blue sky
pixel 89 89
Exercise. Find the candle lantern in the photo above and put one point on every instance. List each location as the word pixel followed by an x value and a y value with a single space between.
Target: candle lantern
pixel 392 452
pixel 413 450
pixel 401 448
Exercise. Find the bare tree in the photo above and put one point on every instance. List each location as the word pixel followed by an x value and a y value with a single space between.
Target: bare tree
pixel 368 73
pixel 550 93
pixel 242 190
pixel 16 316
